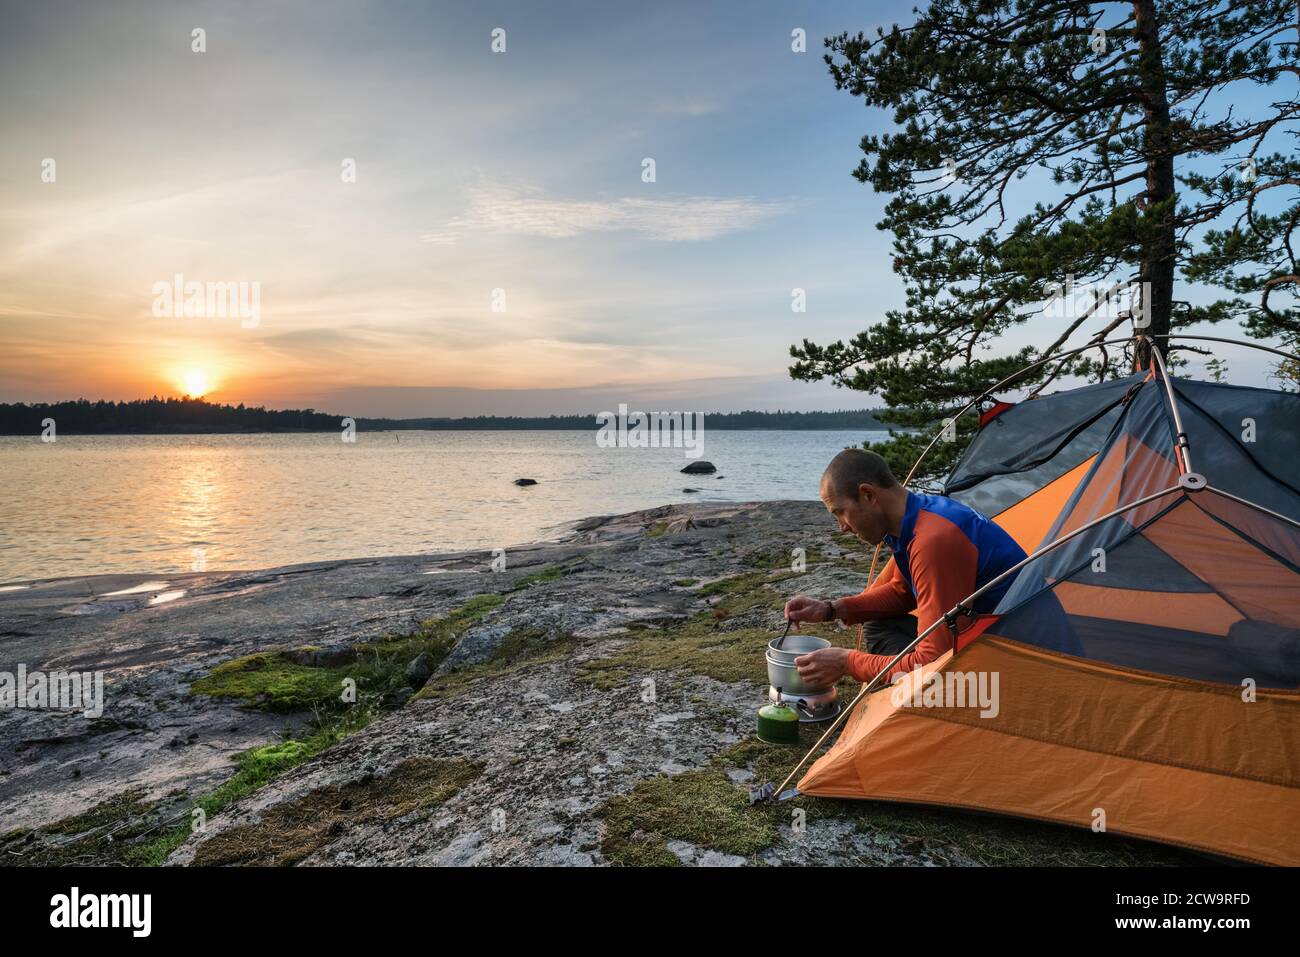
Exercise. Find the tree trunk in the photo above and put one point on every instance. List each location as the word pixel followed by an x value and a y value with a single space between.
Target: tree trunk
pixel 1157 262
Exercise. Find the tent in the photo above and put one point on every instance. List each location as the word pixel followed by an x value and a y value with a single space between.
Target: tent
pixel 1161 517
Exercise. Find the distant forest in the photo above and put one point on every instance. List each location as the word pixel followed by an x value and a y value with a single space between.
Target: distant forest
pixel 158 415
pixel 861 419
pixel 155 415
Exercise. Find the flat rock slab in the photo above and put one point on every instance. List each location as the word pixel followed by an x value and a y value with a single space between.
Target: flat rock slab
pixel 154 734
pixel 553 748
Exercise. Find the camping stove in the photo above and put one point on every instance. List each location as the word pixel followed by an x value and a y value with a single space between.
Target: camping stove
pixel 816 704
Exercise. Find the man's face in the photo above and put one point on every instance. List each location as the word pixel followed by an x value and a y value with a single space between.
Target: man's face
pixel 861 514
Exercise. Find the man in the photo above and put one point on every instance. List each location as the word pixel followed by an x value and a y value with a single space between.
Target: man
pixel 942 552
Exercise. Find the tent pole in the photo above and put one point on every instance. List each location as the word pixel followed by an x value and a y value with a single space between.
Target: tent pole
pixel 1231 342
pixel 1062 355
pixel 875 554
pixel 1184 456
pixel 962 608
pixel 993 388
pixel 983 395
pixel 1258 508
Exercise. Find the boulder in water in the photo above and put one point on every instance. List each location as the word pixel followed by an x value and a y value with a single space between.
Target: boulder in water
pixel 700 468
pixel 525 481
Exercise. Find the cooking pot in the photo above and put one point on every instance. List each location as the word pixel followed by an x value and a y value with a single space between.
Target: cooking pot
pixel 781 672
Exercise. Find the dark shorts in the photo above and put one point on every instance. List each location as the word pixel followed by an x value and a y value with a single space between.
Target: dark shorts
pixel 888 636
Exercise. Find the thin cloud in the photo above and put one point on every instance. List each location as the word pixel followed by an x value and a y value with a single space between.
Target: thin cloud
pixel 691 106
pixel 529 211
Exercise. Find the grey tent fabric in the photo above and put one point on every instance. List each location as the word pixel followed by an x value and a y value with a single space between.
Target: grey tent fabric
pixel 1192 584
pixel 1032 443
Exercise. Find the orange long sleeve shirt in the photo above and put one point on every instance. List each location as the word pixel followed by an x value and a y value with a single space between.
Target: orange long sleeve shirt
pixel 948 550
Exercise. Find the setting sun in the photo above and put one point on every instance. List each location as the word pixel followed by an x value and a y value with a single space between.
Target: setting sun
pixel 196 383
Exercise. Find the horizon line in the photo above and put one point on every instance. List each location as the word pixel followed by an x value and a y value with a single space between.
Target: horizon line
pixel 647 410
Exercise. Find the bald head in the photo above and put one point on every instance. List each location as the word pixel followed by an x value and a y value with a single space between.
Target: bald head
pixel 855 467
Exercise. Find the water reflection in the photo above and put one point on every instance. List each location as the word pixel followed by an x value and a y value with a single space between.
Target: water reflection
pixel 147 503
pixel 137 589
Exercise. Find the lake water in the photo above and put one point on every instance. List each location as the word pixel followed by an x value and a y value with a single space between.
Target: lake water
pixel 157 504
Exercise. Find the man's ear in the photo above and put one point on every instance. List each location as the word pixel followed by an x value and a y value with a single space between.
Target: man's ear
pixel 867 494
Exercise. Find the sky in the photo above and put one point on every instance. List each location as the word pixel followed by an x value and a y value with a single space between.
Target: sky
pixel 498 249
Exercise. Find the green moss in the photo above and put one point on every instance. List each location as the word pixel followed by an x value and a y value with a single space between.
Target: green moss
pixel 549 574
pixel 783 558
pixel 260 766
pixel 120 807
pixel 290 832
pixel 848 541
pixel 685 582
pixel 768 762
pixel 154 853
pixel 255 768
pixel 469 613
pixel 271 681
pixel 604 678
pixel 859 553
pixel 744 583
pixel 701 807
pixel 698 648
pixel 745 593
pixel 1001 841
pixel 526 647
pixel 720 642
pixel 103 835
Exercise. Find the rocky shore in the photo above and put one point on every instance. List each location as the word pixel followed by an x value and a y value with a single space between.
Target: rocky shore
pixel 588 700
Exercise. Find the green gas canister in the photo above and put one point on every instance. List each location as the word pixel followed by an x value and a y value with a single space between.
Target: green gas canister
pixel 778 723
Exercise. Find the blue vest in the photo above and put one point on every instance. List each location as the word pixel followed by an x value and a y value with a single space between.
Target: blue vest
pixel 997 550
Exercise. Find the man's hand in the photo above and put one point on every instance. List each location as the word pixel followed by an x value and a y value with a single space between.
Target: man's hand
pixel 824 667
pixel 802 608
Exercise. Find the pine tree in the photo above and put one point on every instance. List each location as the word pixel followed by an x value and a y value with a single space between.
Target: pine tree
pixel 1127 118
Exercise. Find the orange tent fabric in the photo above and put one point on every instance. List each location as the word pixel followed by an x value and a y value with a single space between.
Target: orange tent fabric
pixel 1030 761
pixel 1180 721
